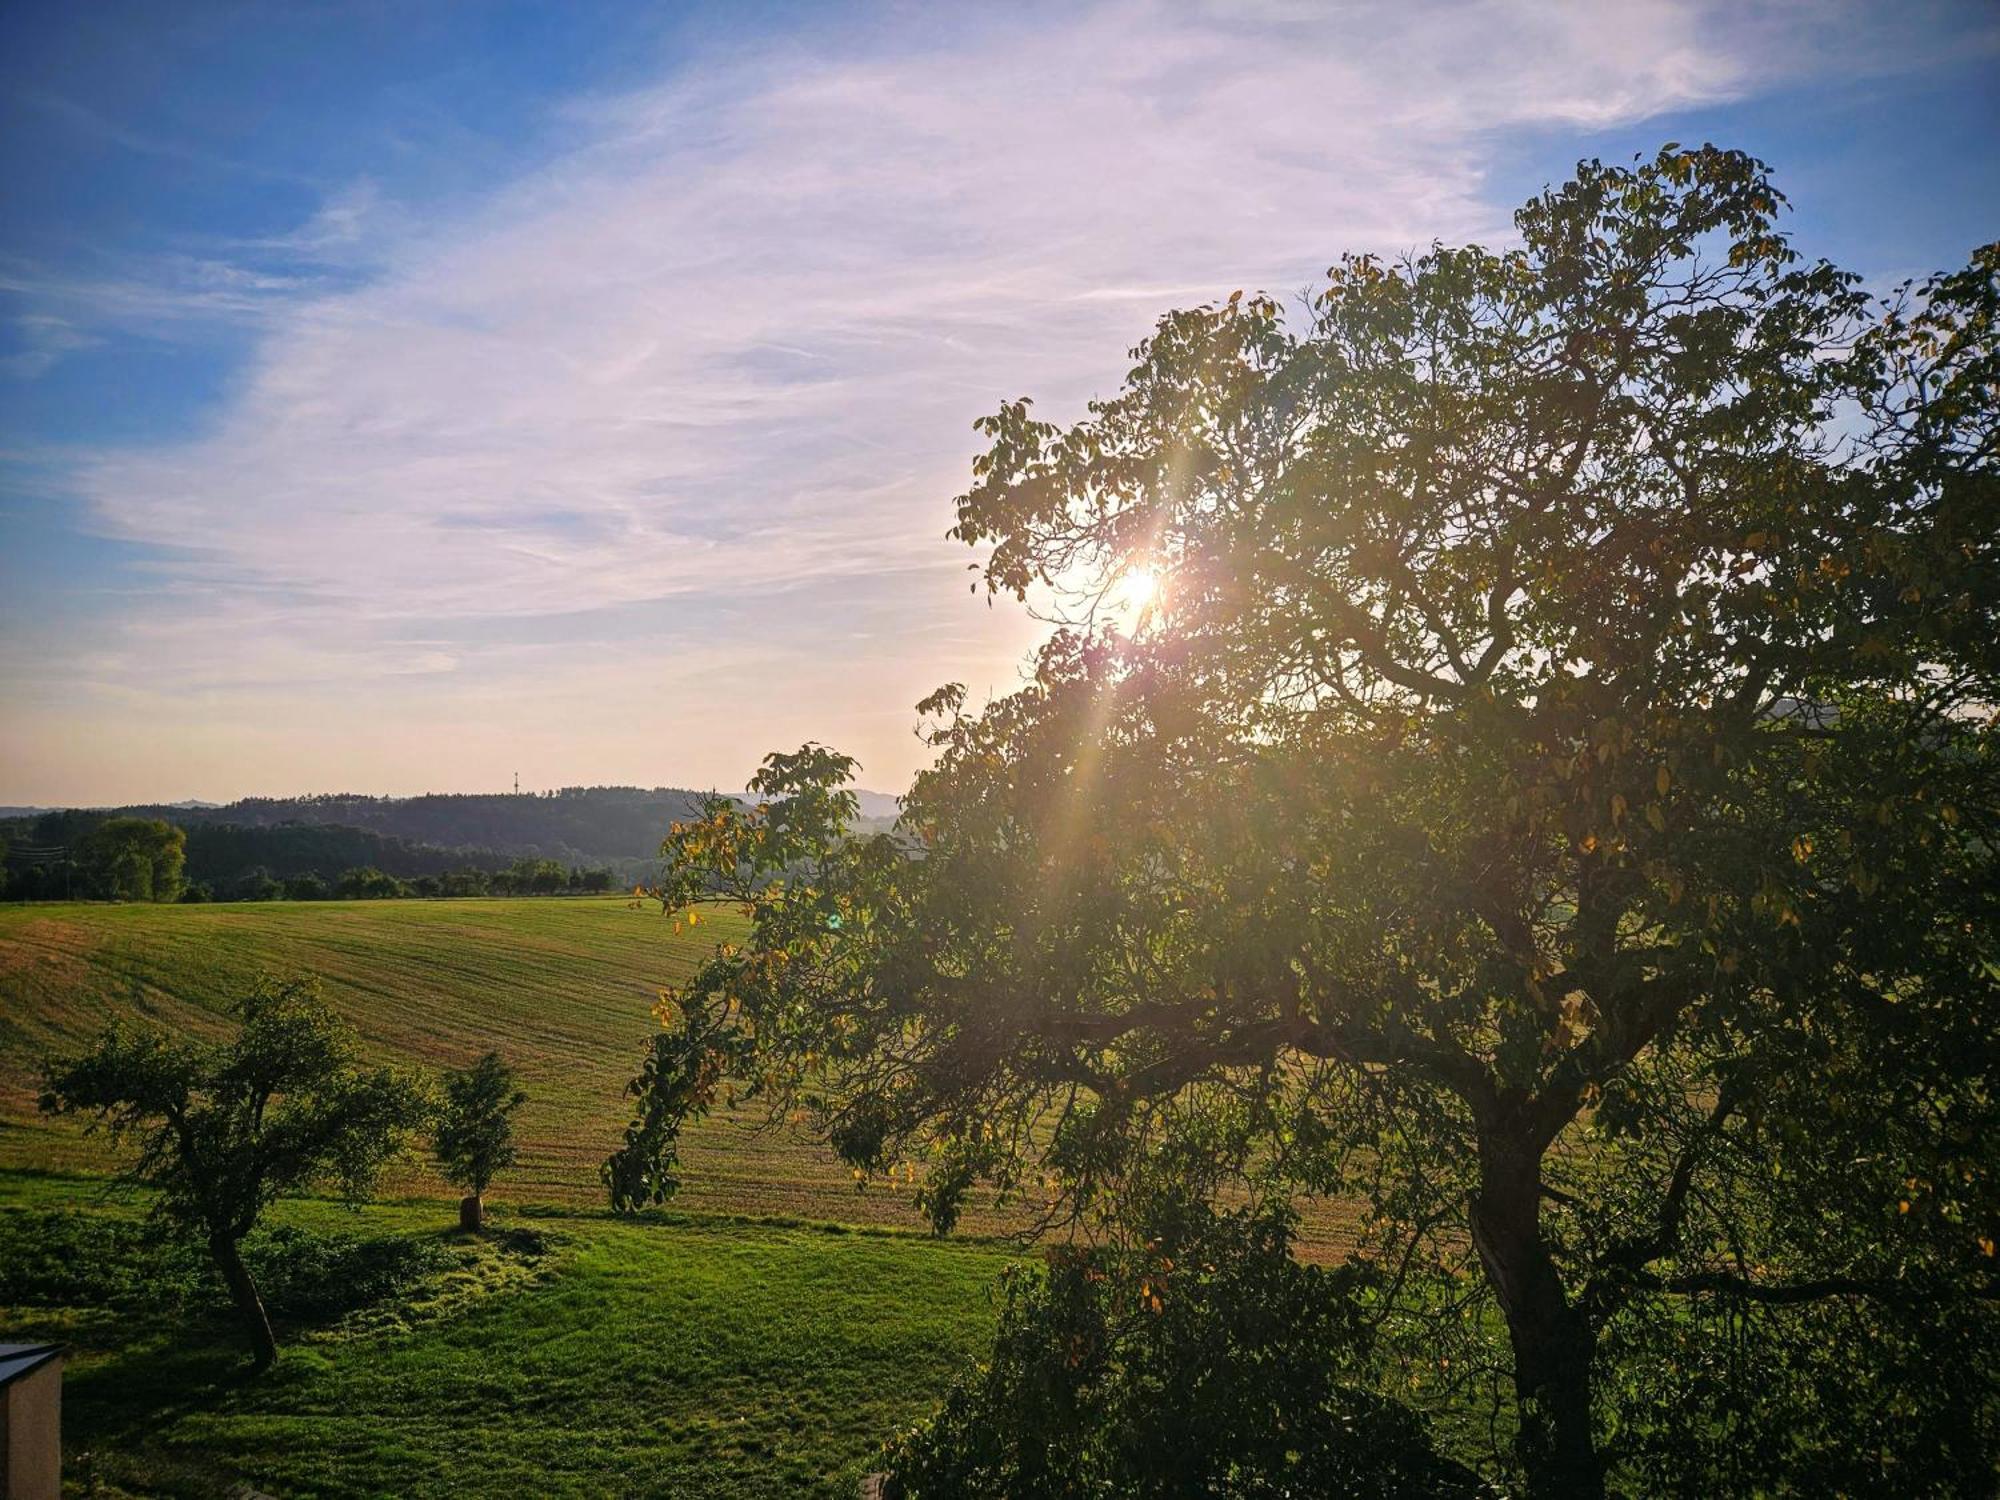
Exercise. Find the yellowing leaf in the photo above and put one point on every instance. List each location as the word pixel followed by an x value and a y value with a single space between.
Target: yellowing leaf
pixel 1663 779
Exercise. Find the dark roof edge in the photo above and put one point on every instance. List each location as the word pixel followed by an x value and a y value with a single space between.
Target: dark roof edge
pixel 17 1360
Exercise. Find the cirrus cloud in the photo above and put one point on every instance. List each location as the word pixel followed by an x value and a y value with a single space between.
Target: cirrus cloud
pixel 672 418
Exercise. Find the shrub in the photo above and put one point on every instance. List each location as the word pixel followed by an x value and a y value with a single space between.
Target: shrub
pixel 307 1276
pixel 1206 1361
pixel 67 1259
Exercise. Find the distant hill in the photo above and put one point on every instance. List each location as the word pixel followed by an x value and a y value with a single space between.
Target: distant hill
pixel 600 823
pixel 577 825
pixel 615 828
pixel 601 827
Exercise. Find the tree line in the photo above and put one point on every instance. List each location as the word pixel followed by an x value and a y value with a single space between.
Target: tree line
pixel 524 877
pixel 89 856
pixel 578 825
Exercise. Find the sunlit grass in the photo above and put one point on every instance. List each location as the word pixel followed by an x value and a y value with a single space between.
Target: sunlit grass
pixel 564 988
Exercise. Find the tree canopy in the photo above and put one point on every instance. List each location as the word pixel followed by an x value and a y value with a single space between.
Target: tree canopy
pixel 475 1130
pixel 1548 797
pixel 1193 1355
pixel 134 859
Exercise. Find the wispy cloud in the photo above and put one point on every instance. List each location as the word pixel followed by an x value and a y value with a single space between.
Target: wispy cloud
pixel 166 291
pixel 90 122
pixel 727 349
pixel 45 339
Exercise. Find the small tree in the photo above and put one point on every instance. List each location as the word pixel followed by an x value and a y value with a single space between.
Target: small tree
pixel 538 877
pixel 366 883
pixel 307 887
pixel 475 1134
pixel 223 1129
pixel 466 882
pixel 257 884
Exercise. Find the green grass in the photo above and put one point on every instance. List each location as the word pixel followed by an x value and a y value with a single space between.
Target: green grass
pixel 732 1347
pixel 681 1355
pixel 564 988
pixel 728 1348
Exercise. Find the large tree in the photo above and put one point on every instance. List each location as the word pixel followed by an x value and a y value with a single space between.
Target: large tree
pixel 1547 794
pixel 135 859
pixel 223 1129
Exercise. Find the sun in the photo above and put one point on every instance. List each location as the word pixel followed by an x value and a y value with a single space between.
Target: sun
pixel 1137 591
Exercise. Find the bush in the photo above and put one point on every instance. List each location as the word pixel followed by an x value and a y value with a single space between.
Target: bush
pixel 53 1259
pixel 1208 1362
pixel 307 1276
pixel 64 1259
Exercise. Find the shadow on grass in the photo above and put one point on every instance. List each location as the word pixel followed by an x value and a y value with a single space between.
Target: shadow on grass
pixel 155 1380
pixel 153 1343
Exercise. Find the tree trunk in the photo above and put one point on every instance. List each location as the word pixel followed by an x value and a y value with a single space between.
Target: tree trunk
pixel 472 1211
pixel 249 1306
pixel 1552 1340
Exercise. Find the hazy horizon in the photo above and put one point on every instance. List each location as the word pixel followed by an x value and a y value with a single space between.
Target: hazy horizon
pixel 869 796
pixel 395 398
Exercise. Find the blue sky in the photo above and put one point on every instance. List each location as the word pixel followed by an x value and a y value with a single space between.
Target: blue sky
pixel 396 395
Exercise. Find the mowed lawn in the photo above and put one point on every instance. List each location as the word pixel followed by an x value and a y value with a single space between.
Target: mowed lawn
pixel 562 987
pixel 682 1356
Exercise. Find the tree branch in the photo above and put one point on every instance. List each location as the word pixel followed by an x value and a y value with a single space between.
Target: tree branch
pixel 1785 1294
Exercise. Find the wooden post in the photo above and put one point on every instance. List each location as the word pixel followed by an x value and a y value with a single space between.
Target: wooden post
pixel 471 1213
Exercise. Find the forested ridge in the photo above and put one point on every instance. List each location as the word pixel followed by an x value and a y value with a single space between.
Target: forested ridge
pixel 233 848
pixel 593 823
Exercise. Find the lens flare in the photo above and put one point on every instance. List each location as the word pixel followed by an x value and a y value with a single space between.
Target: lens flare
pixel 1137 591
